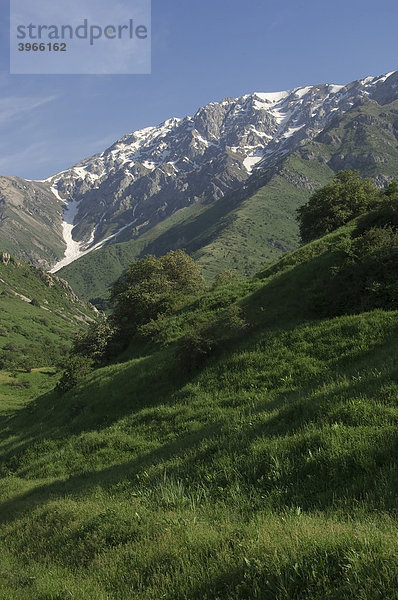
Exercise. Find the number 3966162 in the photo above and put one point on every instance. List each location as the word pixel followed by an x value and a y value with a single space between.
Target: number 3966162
pixel 42 47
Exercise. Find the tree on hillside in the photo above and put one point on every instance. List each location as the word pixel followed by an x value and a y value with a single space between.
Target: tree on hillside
pixel 345 197
pixel 95 342
pixel 152 286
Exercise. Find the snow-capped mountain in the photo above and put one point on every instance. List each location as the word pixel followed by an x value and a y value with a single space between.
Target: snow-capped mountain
pixel 147 175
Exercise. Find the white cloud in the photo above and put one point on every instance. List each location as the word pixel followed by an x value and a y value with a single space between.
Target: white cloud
pixel 14 108
pixel 36 151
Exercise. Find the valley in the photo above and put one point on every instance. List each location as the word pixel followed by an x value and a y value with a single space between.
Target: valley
pixel 220 422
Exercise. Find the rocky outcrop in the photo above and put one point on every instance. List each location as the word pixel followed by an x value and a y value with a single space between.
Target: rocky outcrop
pixel 50 280
pixel 5 258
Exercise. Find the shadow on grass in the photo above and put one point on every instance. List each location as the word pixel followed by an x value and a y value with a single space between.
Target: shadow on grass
pixel 105 397
pixel 325 479
pixel 83 483
pixel 317 573
pixel 112 393
pixel 297 293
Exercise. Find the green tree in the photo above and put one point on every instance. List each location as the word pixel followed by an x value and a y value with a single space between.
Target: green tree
pixel 75 370
pixel 152 286
pixel 345 197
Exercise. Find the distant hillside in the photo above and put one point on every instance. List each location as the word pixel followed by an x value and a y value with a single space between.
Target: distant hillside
pixel 39 314
pixel 30 221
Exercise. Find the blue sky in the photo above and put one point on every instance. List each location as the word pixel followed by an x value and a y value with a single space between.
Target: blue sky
pixel 201 51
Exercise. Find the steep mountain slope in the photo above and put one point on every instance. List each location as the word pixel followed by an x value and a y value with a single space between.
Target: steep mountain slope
pixel 232 232
pixel 149 175
pixel 30 221
pixel 256 224
pixel 269 471
pixel 39 315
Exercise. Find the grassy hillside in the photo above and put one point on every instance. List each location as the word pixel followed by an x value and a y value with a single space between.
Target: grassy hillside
pixel 39 315
pixel 267 470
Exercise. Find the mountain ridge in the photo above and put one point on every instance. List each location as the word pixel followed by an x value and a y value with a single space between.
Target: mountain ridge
pixel 147 176
pixel 259 130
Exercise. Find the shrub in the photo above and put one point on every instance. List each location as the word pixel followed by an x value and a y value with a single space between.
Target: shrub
pixel 224 277
pixel 368 276
pixel 195 347
pixel 345 197
pixel 230 321
pixel 75 369
pixel 16 358
pixel 193 350
pixel 18 384
pixel 96 342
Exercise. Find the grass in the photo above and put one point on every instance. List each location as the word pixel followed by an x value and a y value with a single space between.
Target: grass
pixel 269 472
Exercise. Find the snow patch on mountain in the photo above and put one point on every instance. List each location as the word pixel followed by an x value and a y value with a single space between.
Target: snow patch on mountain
pixel 271 97
pixel 73 248
pixel 251 161
pixel 54 190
